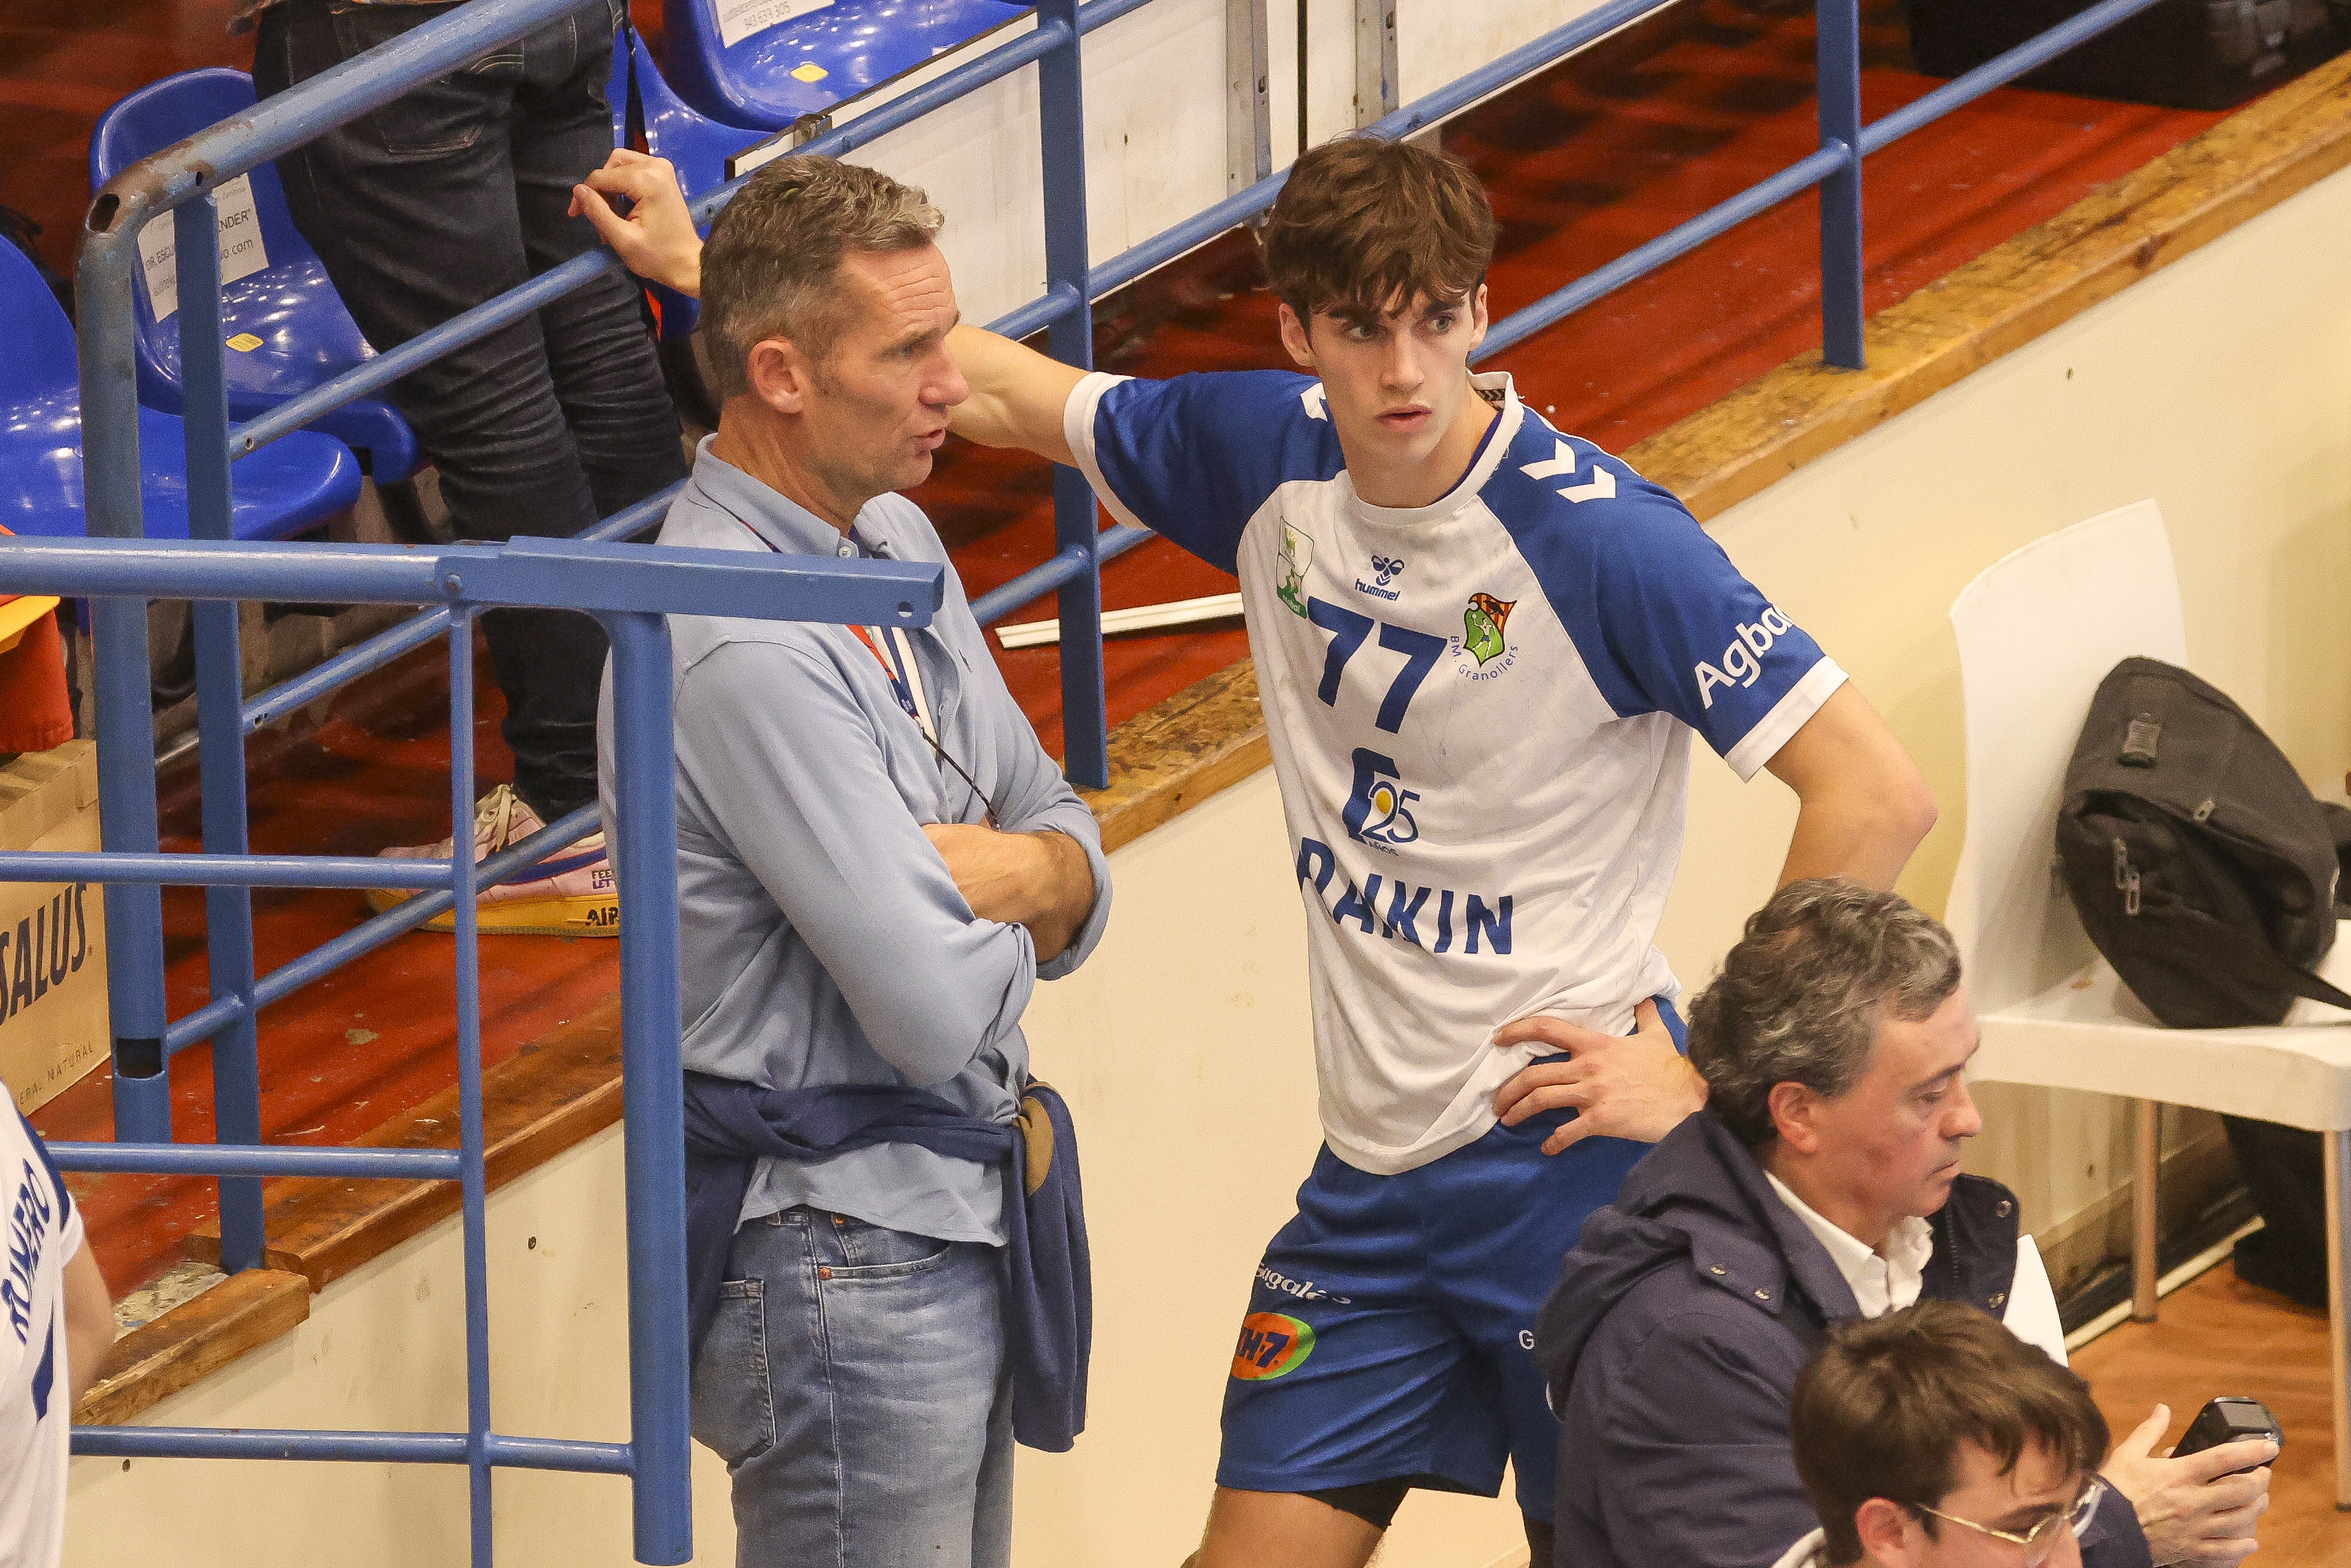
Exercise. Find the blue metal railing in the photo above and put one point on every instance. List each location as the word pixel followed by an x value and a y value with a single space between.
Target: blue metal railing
pixel 630 590
pixel 116 574
pixel 1078 552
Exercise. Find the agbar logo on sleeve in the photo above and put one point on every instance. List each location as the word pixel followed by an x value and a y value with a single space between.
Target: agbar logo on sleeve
pixel 1272 1344
pixel 1742 662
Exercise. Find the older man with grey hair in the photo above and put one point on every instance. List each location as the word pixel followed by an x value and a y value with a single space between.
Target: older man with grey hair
pixel 1820 1184
pixel 876 863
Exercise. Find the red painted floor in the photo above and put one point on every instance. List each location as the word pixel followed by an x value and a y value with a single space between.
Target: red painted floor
pixel 1586 162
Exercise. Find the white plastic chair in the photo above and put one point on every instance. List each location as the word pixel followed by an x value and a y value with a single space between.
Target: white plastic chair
pixel 2037 631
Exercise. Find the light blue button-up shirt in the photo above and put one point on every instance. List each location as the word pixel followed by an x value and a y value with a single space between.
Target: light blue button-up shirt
pixel 821 938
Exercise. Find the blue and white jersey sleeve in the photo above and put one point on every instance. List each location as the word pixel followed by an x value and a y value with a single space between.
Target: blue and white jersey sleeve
pixel 1663 620
pixel 1195 458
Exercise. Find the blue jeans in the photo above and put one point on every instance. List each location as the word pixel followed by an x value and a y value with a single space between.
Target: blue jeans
pixel 854 1382
pixel 426 207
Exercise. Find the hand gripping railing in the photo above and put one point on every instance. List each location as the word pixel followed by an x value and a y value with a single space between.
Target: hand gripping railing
pixel 630 589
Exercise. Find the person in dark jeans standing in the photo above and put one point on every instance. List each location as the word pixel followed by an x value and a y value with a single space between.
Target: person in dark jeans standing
pixel 421 209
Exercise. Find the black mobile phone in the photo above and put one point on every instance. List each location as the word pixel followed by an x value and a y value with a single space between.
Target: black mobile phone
pixel 2229 1419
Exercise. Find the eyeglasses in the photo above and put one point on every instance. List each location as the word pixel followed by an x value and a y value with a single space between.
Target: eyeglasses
pixel 2042 1540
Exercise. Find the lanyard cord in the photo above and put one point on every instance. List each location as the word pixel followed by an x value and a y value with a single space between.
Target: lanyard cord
pixel 905 683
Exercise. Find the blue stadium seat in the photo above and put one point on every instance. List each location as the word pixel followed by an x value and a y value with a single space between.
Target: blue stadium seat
pixel 281 489
pixel 288 329
pixel 697 145
pixel 813 60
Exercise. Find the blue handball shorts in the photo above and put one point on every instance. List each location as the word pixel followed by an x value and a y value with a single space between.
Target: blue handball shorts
pixel 1390 1334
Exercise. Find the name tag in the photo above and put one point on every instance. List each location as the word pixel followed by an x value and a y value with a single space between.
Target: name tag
pixel 242 253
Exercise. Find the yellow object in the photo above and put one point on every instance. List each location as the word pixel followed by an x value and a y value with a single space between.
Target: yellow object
pixel 809 70
pixel 245 342
pixel 17 616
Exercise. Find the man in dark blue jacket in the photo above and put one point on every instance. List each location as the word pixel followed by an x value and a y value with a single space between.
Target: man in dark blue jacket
pixel 1820 1184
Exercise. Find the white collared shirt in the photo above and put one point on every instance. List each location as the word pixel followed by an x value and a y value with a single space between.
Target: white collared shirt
pixel 1889 1280
pixel 1884 1280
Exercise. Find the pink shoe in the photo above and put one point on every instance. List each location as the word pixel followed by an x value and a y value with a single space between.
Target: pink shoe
pixel 571 894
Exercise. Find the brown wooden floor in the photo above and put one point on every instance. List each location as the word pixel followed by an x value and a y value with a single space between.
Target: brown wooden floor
pixel 2216 1335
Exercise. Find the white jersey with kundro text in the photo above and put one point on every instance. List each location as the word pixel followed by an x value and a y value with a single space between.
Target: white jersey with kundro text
pixel 1480 713
pixel 35 1401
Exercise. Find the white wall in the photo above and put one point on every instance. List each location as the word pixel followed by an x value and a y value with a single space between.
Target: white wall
pixel 2220 386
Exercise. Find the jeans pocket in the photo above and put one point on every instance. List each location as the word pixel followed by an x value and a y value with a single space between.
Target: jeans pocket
pixel 434 117
pixel 872 1252
pixel 734 1403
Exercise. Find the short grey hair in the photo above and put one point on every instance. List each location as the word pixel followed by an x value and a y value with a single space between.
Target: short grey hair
pixel 1799 999
pixel 770 267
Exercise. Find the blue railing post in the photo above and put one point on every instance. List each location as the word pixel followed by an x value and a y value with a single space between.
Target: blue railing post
pixel 473 1185
pixel 1062 130
pixel 220 693
pixel 644 846
pixel 1839 26
pixel 121 685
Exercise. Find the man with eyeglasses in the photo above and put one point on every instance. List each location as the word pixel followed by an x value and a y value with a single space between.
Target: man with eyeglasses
pixel 1820 1185
pixel 1933 1437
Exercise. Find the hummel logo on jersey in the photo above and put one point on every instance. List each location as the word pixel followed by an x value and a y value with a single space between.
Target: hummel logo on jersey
pixel 1376 813
pixel 1742 662
pixel 1601 486
pixel 1385 569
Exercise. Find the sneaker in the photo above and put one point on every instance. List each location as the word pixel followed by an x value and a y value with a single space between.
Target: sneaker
pixel 571 894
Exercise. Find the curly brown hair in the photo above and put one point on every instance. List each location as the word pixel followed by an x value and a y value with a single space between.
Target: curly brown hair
pixel 1800 997
pixel 1365 227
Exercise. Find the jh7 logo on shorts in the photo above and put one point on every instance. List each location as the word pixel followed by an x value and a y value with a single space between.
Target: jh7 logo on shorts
pixel 1272 1344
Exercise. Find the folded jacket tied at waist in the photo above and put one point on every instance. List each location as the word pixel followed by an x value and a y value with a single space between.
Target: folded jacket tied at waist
pixel 1048 1278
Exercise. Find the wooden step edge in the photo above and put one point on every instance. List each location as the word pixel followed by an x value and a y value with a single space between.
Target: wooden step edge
pixel 190 1342
pixel 551 1094
pixel 1175 754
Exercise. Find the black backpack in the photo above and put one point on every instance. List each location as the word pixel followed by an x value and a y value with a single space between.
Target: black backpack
pixel 2202 866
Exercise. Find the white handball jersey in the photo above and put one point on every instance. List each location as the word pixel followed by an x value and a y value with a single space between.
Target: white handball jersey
pixel 1480 715
pixel 35 1411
